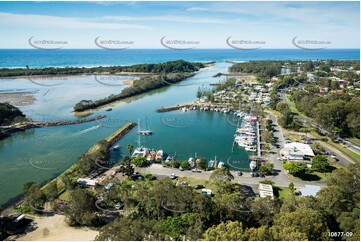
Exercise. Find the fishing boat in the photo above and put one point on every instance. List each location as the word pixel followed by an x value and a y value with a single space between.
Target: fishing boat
pixel 220 164
pixel 253 165
pixel 116 147
pixel 151 156
pixel 169 159
pixel 251 148
pixel 109 109
pixel 159 155
pixel 212 163
pixel 191 161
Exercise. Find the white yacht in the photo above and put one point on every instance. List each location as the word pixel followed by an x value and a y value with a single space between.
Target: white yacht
pixel 144 131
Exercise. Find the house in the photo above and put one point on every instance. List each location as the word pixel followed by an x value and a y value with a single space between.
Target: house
pixel 297 151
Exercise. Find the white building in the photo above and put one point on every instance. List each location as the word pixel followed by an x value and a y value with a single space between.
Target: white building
pixel 265 190
pixel 297 151
pixel 86 182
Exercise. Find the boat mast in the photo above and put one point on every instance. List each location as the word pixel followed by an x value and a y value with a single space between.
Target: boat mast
pixel 138 134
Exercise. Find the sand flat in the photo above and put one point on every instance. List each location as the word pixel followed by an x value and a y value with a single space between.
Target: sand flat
pixel 54 228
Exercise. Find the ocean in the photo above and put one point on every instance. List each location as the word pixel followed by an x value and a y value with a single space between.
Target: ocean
pixel 98 57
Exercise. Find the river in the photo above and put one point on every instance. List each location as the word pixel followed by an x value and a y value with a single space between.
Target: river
pixel 40 154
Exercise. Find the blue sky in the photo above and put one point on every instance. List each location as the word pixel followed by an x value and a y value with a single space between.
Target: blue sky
pixel 209 23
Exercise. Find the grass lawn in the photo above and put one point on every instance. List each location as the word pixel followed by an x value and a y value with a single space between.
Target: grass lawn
pixel 294 137
pixel 314 176
pixel 294 109
pixel 65 196
pixel 343 149
pixel 283 193
pixel 357 141
pixel 274 112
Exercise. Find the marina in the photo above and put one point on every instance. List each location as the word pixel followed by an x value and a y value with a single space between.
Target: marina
pixel 178 132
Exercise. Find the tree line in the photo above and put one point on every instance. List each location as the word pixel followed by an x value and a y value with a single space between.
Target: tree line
pixel 337 113
pixel 142 85
pixel 167 67
pixel 163 210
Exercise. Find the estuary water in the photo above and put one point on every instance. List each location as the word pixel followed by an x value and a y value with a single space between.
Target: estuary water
pixel 40 154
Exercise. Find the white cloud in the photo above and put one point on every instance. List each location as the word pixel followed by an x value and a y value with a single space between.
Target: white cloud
pixel 172 18
pixel 196 9
pixel 46 21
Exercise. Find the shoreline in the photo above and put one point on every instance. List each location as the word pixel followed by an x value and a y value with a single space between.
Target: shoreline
pixel 127 73
pixel 111 139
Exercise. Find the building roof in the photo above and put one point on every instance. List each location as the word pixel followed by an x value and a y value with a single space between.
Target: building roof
pixel 265 187
pixel 296 148
pixel 309 190
pixel 87 181
pixel 265 193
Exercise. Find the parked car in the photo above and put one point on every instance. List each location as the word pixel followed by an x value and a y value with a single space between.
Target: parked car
pixel 173 176
pixel 239 173
pixel 198 186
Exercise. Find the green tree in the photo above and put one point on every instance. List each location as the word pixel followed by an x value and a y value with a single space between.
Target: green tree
pixel 51 191
pixel 320 163
pixel 258 234
pixel 127 229
pixel 81 209
pixel 300 225
pixel 126 167
pixel 264 210
pixel 297 169
pixel 34 196
pixel 174 228
pixel 175 164
pixel 229 231
pixel 350 222
pixel 221 174
pixel 291 186
pixel 139 161
pixel 185 165
pixel 266 168
pixel 201 163
pixel 282 107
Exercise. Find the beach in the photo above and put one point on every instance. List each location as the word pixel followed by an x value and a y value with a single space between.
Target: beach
pixel 55 228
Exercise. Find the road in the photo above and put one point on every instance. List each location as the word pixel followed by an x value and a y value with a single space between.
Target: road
pixel 348 144
pixel 281 180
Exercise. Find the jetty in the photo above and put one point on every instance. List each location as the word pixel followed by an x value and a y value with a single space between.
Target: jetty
pixel 6 131
pixel 120 133
pixel 172 108
pixel 195 105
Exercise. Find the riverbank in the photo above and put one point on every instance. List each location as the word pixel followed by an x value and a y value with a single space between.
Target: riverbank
pixel 141 86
